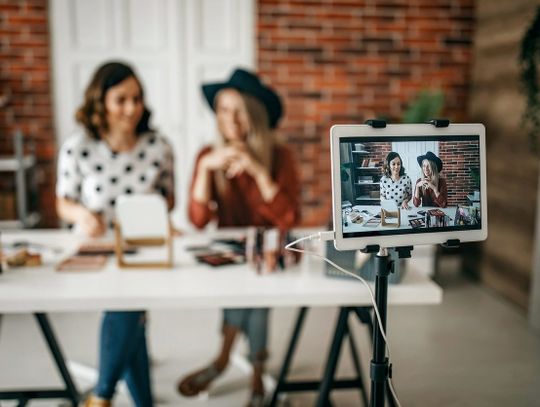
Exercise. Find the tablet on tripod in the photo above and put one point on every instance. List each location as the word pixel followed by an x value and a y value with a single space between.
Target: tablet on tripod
pixel 444 169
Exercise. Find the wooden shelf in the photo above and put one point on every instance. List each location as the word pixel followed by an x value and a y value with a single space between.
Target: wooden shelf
pixel 367 198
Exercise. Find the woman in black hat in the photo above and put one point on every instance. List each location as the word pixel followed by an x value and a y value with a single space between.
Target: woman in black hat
pixel 431 189
pixel 247 178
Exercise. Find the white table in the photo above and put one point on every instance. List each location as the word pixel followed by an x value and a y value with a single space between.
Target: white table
pixel 405 216
pixel 40 290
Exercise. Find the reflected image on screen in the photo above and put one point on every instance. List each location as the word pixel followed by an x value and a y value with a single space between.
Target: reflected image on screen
pixel 414 184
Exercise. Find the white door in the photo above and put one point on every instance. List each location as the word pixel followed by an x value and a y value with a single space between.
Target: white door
pixel 408 152
pixel 174 45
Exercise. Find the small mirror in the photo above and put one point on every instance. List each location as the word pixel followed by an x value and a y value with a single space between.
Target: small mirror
pixel 142 220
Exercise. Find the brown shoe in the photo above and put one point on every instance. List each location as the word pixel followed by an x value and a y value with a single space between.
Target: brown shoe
pixel 197 382
pixel 93 401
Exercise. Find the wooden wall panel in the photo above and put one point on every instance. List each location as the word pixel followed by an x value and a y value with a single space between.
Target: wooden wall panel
pixel 498 102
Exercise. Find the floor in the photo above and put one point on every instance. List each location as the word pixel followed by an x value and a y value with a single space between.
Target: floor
pixel 474 349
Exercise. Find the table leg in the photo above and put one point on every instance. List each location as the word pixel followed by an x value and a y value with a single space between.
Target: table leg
pixel 288 357
pixel 70 392
pixel 333 357
pixel 356 362
pixel 56 353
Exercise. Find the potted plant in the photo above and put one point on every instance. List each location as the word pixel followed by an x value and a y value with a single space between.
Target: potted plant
pixel 528 58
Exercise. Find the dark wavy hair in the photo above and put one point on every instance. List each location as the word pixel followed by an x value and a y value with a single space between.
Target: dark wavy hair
pixel 386 168
pixel 91 114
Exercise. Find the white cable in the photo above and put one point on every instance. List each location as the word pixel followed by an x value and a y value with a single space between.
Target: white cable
pixel 328 236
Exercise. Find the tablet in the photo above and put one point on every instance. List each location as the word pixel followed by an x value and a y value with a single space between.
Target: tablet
pixel 437 192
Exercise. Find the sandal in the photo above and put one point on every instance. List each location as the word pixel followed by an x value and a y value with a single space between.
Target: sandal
pixel 197 382
pixel 93 401
pixel 256 400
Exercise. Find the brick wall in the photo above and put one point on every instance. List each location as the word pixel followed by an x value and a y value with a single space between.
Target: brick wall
pixel 458 159
pixel 339 62
pixel 25 79
pixel 346 61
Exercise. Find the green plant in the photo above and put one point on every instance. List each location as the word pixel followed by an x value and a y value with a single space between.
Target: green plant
pixel 475 175
pixel 427 105
pixel 528 57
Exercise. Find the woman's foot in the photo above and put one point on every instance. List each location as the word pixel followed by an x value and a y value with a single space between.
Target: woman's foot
pixel 93 401
pixel 196 382
pixel 256 400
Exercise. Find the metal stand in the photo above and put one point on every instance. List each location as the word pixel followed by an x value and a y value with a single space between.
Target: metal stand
pixel 380 368
pixel 70 392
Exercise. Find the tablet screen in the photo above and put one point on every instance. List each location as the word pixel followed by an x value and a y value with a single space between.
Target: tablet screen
pixel 396 185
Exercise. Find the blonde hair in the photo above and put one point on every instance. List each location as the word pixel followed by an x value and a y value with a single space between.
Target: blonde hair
pixel 260 140
pixel 434 171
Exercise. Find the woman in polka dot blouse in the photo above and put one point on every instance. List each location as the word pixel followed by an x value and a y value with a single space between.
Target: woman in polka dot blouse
pixel 115 153
pixel 395 184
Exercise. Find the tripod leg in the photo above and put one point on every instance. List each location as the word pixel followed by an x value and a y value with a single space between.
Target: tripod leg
pixel 290 352
pixel 333 356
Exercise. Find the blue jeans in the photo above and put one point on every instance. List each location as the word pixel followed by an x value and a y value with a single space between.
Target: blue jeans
pixel 253 322
pixel 123 355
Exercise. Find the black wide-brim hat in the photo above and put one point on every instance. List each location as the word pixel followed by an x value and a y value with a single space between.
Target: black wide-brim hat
pixel 247 82
pixel 432 157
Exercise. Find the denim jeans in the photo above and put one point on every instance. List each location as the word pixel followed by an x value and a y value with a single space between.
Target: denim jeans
pixel 253 322
pixel 123 355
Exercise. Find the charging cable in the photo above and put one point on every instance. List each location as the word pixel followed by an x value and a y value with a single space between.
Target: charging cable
pixel 329 235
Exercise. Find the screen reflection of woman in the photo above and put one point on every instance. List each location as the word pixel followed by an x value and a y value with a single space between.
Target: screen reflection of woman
pixel 395 184
pixel 431 189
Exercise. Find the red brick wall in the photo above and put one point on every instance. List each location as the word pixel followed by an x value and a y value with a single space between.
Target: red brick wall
pixel 25 77
pixel 342 62
pixel 458 159
pixel 347 61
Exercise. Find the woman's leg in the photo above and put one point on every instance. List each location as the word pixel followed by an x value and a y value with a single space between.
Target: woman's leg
pixel 118 344
pixel 199 380
pixel 257 334
pixel 137 373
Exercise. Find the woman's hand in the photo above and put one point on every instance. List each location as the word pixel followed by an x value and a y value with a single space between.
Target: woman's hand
pixel 217 159
pixel 430 185
pixel 240 160
pixel 405 204
pixel 91 223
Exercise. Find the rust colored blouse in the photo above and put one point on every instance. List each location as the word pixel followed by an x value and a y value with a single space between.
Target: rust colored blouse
pixel 427 197
pixel 241 204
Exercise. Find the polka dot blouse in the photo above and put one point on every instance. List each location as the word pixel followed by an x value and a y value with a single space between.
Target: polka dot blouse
pixel 399 190
pixel 90 173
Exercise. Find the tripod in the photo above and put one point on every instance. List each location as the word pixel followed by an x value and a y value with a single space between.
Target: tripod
pixel 381 369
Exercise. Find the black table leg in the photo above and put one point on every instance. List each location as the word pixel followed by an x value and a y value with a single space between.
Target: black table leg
pixel 70 392
pixel 288 357
pixel 356 361
pixel 56 352
pixel 328 383
pixel 333 357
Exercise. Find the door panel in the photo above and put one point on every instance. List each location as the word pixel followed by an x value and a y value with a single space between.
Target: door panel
pixel 174 47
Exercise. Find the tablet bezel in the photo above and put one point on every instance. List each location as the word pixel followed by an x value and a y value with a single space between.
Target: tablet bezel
pixel 402 131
